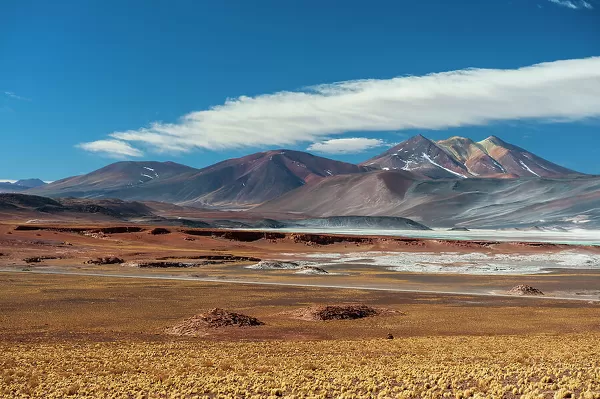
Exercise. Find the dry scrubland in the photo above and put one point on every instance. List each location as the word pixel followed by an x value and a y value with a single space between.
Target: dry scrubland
pixel 75 336
pixel 68 342
pixel 565 366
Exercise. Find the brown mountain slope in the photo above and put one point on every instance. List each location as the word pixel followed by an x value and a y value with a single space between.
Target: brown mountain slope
pixel 515 160
pixel 376 192
pixel 255 178
pixel 475 158
pixel 116 176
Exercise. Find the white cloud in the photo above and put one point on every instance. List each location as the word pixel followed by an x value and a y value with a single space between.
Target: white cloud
pixel 350 145
pixel 566 90
pixel 14 96
pixel 573 4
pixel 112 148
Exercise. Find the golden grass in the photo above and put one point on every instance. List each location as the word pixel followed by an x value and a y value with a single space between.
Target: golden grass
pixel 545 366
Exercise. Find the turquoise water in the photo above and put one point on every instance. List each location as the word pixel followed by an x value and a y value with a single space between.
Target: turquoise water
pixel 574 237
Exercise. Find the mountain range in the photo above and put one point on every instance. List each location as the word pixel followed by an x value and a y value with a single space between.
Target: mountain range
pixel 449 182
pixel 20 185
pixel 239 182
pixel 463 158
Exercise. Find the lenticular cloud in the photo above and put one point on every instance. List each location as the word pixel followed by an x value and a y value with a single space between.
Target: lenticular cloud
pixel 559 91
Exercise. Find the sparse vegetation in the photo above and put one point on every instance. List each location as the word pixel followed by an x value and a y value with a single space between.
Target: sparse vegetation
pixel 560 367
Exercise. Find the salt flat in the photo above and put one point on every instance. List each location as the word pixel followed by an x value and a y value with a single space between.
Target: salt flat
pixel 475 263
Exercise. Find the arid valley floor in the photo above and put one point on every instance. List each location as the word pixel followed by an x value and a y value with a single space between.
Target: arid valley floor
pixel 70 328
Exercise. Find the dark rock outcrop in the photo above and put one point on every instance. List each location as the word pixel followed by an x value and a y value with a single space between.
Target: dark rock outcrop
pixel 106 260
pixel 159 231
pixel 342 312
pixel 215 318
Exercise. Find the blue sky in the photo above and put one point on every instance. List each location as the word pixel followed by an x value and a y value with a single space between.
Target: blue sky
pixel 83 83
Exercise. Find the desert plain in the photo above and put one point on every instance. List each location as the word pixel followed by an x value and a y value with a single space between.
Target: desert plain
pixel 96 310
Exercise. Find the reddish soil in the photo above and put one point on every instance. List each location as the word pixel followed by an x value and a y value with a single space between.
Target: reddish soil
pixel 262 241
pixel 105 230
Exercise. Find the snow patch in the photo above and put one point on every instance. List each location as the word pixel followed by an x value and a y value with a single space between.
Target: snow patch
pixel 145 175
pixel 529 156
pixel 498 165
pixel 528 168
pixel 147 168
pixel 579 219
pixel 407 165
pixel 425 156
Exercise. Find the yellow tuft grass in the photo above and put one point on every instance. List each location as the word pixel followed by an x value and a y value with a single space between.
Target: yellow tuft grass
pixel 558 366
